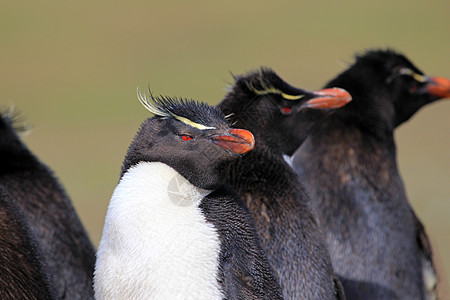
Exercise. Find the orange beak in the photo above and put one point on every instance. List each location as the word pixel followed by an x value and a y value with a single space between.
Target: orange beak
pixel 439 87
pixel 239 141
pixel 329 98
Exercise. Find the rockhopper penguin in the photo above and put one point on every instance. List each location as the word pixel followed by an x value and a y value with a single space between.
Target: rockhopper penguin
pixel 172 230
pixel 61 238
pixel 265 104
pixel 348 165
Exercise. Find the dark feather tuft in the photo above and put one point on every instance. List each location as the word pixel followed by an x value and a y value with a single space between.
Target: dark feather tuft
pixel 193 110
pixel 389 60
pixel 15 119
pixel 266 81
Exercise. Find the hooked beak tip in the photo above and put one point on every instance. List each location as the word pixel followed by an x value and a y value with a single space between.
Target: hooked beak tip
pixel 439 87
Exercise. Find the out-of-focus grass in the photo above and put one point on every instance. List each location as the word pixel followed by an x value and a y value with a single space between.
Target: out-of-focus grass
pixel 72 68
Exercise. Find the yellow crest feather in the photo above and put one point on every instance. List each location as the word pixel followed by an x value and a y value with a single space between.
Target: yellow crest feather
pixel 272 90
pixel 146 102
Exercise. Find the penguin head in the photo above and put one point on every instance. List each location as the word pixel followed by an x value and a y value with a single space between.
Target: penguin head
pixel 386 84
pixel 275 111
pixel 191 137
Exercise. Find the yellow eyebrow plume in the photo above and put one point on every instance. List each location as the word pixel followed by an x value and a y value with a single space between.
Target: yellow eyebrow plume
pixel 291 97
pixel 272 90
pixel 146 102
pixel 191 123
pixel 417 77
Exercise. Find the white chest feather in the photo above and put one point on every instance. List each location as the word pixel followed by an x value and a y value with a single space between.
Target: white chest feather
pixel 156 243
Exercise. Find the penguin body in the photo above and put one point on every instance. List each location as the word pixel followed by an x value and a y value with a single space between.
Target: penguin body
pixel 22 271
pixel 263 103
pixel 245 271
pixel 163 220
pixel 172 231
pixel 348 164
pixel 60 236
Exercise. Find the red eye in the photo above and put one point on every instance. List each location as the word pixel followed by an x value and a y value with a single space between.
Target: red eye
pixel 286 110
pixel 186 137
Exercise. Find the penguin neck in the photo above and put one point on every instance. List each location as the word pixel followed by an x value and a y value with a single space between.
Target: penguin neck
pixel 166 185
pixel 262 170
pixel 156 242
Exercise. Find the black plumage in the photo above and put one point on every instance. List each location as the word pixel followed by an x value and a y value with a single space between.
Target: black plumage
pixel 195 140
pixel 244 270
pixel 67 251
pixel 263 103
pixel 348 164
pixel 22 271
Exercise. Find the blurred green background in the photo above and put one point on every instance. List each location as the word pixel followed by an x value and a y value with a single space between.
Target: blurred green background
pixel 72 68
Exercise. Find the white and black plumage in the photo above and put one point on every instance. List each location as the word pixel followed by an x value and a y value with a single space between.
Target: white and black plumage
pixel 172 231
pixel 22 271
pixel 60 236
pixel 378 246
pixel 265 104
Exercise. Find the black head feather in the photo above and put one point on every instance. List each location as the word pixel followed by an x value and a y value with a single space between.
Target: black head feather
pixel 14 155
pixel 387 89
pixel 257 101
pixel 257 97
pixel 385 61
pixel 192 110
pixel 14 119
pixel 264 82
